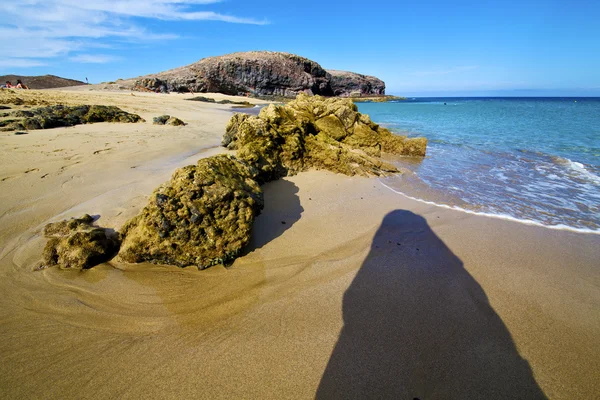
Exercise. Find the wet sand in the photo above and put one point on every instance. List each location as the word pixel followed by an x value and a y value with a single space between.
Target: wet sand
pixel 347 290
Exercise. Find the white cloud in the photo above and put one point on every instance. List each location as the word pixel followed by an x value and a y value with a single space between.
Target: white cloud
pixel 93 58
pixel 46 29
pixel 19 63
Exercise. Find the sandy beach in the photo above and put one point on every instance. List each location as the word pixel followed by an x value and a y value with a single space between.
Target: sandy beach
pixel 347 289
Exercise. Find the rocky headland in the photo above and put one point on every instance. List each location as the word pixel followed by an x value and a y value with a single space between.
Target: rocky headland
pixel 259 74
pixel 204 215
pixel 351 84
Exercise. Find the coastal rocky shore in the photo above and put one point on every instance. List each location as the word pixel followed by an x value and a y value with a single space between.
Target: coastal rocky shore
pixel 337 269
pixel 260 74
pixel 204 215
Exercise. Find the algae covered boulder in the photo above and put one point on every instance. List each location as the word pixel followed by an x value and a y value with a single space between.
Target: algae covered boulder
pixel 78 244
pixel 161 119
pixel 174 121
pixel 315 132
pixel 203 216
pixel 167 120
pixel 60 116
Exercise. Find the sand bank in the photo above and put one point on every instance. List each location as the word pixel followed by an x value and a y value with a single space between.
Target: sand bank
pixel 347 290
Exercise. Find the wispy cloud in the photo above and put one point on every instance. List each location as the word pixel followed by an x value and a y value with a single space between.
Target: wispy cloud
pixel 93 58
pixel 19 63
pixel 42 30
pixel 446 71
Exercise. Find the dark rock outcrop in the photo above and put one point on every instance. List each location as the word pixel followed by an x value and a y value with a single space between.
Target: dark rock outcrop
pixel 350 84
pixel 60 115
pixel 78 244
pixel 167 120
pixel 202 217
pixel 225 101
pixel 259 74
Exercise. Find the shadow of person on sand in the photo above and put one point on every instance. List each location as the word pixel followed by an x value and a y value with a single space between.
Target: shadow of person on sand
pixel 417 325
pixel 282 210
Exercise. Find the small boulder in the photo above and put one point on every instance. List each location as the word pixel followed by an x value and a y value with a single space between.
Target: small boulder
pixel 175 121
pixel 167 120
pixel 160 120
pixel 77 244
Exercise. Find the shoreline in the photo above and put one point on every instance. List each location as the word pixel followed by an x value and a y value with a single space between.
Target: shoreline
pixel 288 305
pixel 505 217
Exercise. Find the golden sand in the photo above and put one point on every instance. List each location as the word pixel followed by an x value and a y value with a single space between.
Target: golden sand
pixel 347 290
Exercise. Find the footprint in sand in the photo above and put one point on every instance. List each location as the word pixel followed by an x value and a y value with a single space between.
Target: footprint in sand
pixel 6 178
pixel 103 150
pixel 64 167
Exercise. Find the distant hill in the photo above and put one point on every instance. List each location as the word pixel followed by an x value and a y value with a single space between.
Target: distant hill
pixel 260 74
pixel 41 82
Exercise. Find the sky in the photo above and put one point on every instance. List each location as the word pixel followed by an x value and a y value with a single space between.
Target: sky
pixel 419 48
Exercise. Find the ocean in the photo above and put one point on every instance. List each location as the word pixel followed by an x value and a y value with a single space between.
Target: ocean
pixel 535 160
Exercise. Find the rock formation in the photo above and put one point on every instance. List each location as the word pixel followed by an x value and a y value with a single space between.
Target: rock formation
pixel 202 217
pixel 76 243
pixel 314 132
pixel 260 74
pixel 60 115
pixel 350 84
pixel 225 101
pixel 167 120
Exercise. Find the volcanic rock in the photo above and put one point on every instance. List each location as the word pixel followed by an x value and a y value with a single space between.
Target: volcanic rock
pixel 350 84
pixel 60 115
pixel 202 217
pixel 260 74
pixel 315 132
pixel 78 244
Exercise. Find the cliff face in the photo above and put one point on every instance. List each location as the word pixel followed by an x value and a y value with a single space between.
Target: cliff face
pixel 350 84
pixel 260 73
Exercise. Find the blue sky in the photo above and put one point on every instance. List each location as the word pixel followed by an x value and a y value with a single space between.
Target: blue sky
pixel 418 48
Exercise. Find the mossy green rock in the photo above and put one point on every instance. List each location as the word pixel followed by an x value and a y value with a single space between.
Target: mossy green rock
pixel 174 121
pixel 161 119
pixel 316 132
pixel 167 120
pixel 203 216
pixel 60 116
pixel 77 244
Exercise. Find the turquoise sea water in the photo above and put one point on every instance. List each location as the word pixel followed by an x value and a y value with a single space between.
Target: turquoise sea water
pixel 532 159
